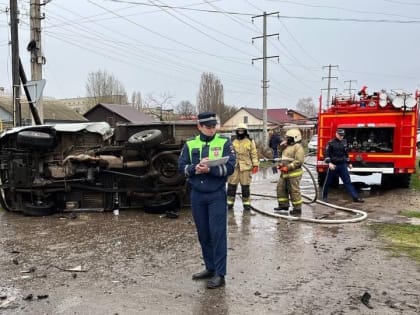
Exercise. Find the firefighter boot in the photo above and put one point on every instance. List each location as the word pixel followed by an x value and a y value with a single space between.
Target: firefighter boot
pixel 246 197
pixel 231 192
pixel 296 211
pixel 282 209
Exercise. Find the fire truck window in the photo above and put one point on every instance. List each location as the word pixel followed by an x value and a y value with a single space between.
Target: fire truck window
pixel 370 139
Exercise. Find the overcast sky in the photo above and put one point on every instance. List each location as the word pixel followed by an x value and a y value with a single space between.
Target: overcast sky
pixel 158 47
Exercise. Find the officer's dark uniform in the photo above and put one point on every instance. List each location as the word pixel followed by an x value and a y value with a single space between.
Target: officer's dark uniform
pixel 337 154
pixel 208 194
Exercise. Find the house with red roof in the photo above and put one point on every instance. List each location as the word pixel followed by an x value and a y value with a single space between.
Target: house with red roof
pixel 278 119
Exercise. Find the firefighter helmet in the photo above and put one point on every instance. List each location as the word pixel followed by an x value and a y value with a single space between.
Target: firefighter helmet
pixel 241 126
pixel 295 134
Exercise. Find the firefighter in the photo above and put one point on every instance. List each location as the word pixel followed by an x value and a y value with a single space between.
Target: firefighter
pixel 246 163
pixel 208 195
pixel 288 186
pixel 337 158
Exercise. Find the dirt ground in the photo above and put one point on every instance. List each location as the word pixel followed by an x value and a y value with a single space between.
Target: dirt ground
pixel 139 263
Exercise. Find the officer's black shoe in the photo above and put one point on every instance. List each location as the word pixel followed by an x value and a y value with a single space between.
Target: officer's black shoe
pixel 296 212
pixel 205 274
pixel 215 282
pixel 247 207
pixel 358 200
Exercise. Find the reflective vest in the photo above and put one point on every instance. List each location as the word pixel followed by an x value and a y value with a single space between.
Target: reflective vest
pixel 215 147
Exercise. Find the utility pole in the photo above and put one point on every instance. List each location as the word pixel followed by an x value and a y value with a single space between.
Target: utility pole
pixel 329 83
pixel 37 58
pixel 14 20
pixel 350 89
pixel 264 59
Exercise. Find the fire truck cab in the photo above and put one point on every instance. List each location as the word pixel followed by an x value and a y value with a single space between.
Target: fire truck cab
pixel 380 133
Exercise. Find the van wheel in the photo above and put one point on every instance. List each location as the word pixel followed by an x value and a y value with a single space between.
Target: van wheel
pixel 146 138
pixel 35 139
pixel 321 179
pixel 162 205
pixel 39 210
pixel 166 164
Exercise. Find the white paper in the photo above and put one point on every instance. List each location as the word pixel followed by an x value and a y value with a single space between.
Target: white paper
pixel 216 162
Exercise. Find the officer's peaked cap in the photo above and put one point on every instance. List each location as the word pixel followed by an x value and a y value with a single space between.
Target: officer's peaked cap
pixel 207 118
pixel 341 132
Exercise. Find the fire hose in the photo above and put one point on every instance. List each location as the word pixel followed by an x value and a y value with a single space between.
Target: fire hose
pixel 360 215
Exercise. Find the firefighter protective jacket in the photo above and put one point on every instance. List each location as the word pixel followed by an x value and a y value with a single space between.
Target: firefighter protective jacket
pixel 293 157
pixel 246 154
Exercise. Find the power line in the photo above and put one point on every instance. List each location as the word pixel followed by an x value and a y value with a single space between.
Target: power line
pixel 350 20
pixel 342 9
pixel 181 8
pixel 202 32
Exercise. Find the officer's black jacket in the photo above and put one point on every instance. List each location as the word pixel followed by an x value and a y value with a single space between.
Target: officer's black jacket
pixel 336 152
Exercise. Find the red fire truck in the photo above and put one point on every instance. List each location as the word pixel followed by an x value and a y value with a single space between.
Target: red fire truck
pixel 380 132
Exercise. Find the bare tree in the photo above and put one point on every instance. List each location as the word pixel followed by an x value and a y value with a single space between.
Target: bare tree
pixel 104 87
pixel 210 95
pixel 307 107
pixel 186 109
pixel 160 105
pixel 228 111
pixel 136 100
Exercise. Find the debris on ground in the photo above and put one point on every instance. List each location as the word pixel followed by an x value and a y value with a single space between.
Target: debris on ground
pixel 365 299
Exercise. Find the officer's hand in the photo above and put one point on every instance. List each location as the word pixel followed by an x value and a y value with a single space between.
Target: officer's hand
pixel 350 166
pixel 331 166
pixel 255 170
pixel 284 169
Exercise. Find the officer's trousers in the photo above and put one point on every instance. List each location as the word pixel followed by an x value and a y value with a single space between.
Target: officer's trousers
pixel 210 215
pixel 340 170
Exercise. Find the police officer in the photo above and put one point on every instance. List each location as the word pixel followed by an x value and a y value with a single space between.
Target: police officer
pixel 274 143
pixel 246 163
pixel 208 194
pixel 288 186
pixel 337 158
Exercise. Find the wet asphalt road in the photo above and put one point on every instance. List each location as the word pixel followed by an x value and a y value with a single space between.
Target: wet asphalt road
pixel 138 263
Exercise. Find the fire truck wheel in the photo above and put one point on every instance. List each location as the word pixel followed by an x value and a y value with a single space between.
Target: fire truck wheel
pixel 395 181
pixel 146 138
pixel 35 139
pixel 321 180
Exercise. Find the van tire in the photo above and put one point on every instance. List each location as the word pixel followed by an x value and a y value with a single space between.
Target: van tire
pixel 146 138
pixel 47 208
pixel 35 139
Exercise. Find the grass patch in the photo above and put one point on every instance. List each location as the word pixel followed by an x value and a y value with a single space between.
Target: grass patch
pixel 403 238
pixel 411 214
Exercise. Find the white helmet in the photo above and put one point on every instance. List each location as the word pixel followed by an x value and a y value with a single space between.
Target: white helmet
pixel 241 126
pixel 295 134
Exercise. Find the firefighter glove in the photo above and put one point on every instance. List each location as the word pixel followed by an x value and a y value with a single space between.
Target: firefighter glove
pixel 255 170
pixel 284 169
